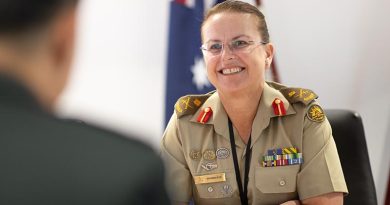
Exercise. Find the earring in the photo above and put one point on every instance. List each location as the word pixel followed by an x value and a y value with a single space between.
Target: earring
pixel 267 61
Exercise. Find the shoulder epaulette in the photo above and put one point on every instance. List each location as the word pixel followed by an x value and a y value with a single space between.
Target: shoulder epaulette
pixel 189 104
pixel 276 85
pixel 294 95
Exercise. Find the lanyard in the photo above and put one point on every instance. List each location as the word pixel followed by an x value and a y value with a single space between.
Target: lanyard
pixel 243 189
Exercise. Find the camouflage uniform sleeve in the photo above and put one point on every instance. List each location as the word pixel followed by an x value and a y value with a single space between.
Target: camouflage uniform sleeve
pixel 178 176
pixel 321 172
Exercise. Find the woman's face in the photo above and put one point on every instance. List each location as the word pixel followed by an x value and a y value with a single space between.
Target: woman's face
pixel 235 69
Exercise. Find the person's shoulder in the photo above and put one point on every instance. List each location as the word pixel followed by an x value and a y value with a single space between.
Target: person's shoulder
pixel 302 99
pixel 98 134
pixel 189 104
pixel 295 94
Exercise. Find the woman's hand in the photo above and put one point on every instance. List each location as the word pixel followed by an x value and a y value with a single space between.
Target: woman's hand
pixel 294 202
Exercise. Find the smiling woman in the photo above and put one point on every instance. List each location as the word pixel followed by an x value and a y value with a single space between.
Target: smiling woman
pixel 242 57
pixel 250 141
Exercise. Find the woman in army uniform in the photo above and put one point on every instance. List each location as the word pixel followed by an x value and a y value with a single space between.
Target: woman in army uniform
pixel 250 141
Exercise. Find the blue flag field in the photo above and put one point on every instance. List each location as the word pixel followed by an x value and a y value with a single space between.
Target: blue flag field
pixel 186 72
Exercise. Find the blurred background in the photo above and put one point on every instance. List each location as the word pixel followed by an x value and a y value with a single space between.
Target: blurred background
pixel 339 49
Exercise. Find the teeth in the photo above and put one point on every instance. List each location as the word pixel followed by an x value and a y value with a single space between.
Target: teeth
pixel 231 70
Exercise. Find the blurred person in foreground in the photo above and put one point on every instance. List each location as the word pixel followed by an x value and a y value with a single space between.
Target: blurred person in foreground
pixel 250 141
pixel 45 160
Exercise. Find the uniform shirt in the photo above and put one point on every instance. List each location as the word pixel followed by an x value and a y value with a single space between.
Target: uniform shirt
pixel 187 145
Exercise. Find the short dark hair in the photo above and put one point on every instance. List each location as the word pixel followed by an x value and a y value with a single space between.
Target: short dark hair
pixel 241 7
pixel 17 16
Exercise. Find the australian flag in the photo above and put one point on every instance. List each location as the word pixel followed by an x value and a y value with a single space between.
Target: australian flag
pixel 186 72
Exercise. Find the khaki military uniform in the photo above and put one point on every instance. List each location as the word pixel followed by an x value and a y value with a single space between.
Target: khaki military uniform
pixel 199 159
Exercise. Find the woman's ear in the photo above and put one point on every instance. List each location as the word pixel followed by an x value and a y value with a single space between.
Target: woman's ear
pixel 269 50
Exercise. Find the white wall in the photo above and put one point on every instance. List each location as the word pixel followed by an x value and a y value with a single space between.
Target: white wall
pixel 118 76
pixel 340 49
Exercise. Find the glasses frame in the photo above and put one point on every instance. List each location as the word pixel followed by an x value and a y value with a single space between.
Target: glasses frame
pixel 204 49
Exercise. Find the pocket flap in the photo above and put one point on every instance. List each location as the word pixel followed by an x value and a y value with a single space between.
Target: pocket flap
pixel 281 179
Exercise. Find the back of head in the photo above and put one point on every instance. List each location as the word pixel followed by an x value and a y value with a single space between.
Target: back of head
pixel 20 16
pixel 50 161
pixel 36 45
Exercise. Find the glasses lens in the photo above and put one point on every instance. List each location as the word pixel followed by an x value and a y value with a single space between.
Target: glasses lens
pixel 240 45
pixel 214 47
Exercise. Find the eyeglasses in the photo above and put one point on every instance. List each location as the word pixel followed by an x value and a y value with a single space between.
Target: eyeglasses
pixel 236 46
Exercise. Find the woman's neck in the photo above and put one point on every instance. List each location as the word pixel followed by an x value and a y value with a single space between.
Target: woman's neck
pixel 241 109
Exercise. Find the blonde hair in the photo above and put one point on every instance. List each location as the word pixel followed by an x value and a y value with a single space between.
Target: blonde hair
pixel 240 7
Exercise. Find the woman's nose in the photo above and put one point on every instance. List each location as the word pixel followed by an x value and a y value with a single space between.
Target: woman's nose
pixel 227 53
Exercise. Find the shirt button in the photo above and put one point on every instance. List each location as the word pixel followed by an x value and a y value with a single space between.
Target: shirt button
pixel 210 189
pixel 282 183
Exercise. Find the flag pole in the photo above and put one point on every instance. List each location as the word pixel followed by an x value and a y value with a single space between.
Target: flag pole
pixel 387 197
pixel 274 71
pixel 274 68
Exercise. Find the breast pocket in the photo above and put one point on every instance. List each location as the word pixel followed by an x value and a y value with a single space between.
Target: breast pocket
pixel 281 179
pixel 215 190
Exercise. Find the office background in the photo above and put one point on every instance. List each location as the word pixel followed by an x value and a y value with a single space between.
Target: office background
pixel 339 49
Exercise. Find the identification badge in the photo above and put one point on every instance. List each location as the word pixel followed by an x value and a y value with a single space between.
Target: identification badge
pixel 210 178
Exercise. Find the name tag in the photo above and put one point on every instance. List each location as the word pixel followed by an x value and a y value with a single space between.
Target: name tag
pixel 210 178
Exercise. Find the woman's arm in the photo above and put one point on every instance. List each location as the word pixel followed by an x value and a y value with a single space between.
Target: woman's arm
pixel 335 198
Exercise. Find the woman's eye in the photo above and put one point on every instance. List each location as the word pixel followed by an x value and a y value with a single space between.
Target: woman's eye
pixel 215 46
pixel 239 43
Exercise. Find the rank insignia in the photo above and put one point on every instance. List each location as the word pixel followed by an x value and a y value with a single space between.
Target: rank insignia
pixel 295 95
pixel 205 115
pixel 278 106
pixel 189 104
pixel 282 157
pixel 316 114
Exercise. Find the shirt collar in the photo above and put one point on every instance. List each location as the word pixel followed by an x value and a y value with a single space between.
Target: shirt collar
pixel 13 93
pixel 219 117
pixel 264 113
pixel 265 110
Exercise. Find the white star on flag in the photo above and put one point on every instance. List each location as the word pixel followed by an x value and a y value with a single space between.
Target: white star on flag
pixel 199 74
